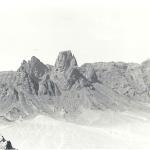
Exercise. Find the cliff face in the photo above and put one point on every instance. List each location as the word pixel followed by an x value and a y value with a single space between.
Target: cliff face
pixel 36 87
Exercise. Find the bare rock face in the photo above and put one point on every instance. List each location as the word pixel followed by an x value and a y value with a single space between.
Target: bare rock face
pixel 125 79
pixel 65 61
pixel 65 72
pixel 19 90
pixel 48 87
pixel 25 83
pixel 35 68
pixel 36 87
pixel 89 72
pixel 145 67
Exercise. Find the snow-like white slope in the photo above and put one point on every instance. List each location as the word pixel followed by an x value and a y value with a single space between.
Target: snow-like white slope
pixel 45 133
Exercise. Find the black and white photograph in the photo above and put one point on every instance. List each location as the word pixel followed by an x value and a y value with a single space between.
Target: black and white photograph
pixel 74 74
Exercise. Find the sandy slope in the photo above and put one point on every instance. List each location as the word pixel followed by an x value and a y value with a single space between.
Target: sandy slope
pixel 44 133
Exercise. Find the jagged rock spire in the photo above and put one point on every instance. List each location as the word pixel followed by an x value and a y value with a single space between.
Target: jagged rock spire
pixel 34 67
pixel 65 61
pixel 30 73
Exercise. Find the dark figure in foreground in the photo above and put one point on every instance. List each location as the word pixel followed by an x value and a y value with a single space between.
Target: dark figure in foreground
pixel 9 145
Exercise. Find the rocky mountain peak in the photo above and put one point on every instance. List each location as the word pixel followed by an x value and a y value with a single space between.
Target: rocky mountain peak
pixel 30 73
pixel 34 59
pixel 65 60
pixel 37 87
pixel 33 67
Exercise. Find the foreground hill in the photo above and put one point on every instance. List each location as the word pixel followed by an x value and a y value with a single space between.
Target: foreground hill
pixel 121 131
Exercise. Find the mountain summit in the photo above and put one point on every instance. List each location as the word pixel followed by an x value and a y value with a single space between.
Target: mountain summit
pixel 68 88
pixel 65 61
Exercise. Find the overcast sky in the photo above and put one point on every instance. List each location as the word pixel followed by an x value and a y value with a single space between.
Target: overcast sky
pixel 95 30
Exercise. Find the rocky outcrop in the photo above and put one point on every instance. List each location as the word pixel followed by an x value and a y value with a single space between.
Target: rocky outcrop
pixel 89 72
pixel 36 87
pixel 35 68
pixel 125 79
pixel 48 87
pixel 65 61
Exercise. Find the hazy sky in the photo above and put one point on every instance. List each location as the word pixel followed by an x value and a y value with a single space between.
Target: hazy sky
pixel 95 30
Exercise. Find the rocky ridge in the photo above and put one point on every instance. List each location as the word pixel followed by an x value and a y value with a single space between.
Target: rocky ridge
pixel 36 87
